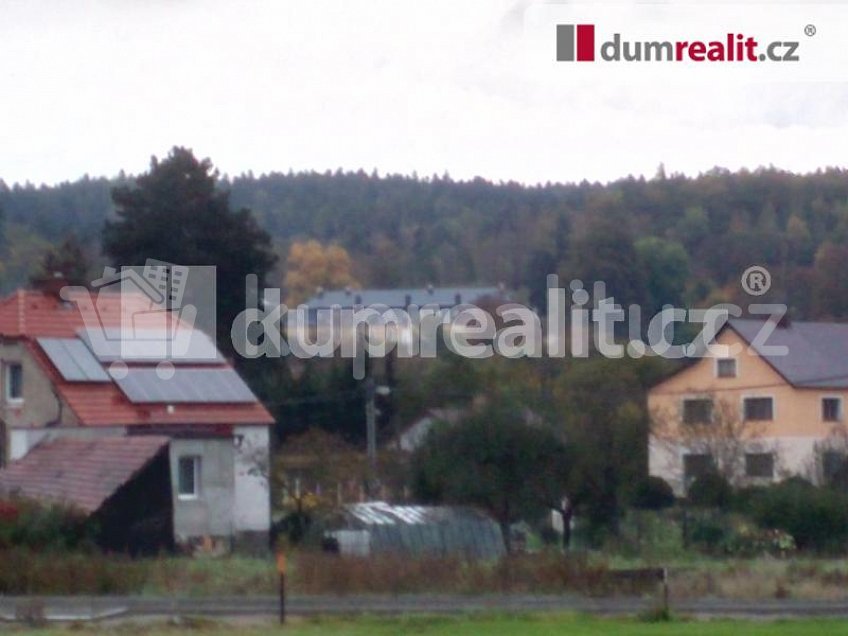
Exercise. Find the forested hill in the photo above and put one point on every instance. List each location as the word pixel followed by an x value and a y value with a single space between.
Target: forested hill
pixel 668 239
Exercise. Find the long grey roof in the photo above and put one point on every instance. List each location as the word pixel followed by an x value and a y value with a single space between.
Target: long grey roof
pixel 816 352
pixel 402 297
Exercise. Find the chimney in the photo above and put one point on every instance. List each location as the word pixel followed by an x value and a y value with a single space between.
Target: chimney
pixel 407 300
pixel 52 284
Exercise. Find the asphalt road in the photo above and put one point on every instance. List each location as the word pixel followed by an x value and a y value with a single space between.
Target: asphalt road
pixel 104 608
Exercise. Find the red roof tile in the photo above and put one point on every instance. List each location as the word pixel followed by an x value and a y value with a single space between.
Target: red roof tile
pixel 38 314
pixel 32 314
pixel 80 473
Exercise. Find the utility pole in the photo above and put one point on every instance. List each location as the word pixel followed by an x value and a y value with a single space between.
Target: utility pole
pixel 371 391
pixel 371 433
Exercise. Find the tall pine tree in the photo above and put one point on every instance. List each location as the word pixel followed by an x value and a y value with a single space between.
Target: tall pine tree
pixel 176 213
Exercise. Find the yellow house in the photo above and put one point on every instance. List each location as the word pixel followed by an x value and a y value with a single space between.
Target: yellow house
pixel 767 404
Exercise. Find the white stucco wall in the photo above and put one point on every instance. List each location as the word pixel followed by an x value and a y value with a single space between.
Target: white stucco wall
pixel 794 456
pixel 252 508
pixel 210 513
pixel 22 439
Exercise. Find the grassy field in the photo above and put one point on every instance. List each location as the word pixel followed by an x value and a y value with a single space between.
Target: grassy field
pixel 529 625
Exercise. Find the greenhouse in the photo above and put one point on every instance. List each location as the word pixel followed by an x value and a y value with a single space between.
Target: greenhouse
pixel 370 528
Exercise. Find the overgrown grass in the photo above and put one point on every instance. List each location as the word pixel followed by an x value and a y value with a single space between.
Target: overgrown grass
pixel 488 625
pixel 25 572
pixel 207 576
pixel 550 572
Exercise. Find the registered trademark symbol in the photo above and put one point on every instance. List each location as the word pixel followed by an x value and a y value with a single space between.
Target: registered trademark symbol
pixel 810 30
pixel 756 280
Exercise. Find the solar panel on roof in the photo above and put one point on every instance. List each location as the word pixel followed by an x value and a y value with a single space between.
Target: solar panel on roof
pixel 73 360
pixel 187 346
pixel 142 386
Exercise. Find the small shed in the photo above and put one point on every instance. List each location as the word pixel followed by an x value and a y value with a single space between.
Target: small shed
pixel 376 527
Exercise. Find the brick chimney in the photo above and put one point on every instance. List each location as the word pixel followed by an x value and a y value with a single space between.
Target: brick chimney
pixel 51 285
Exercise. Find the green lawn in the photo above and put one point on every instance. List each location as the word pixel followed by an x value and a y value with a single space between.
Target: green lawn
pixel 523 625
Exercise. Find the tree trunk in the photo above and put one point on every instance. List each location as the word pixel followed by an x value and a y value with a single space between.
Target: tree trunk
pixel 507 536
pixel 567 514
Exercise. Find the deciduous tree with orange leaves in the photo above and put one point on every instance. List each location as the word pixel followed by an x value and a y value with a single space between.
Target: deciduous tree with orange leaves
pixel 311 264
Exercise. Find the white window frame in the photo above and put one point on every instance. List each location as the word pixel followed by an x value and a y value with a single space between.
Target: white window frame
pixel 7 383
pixel 726 377
pixel 841 413
pixel 758 397
pixel 196 464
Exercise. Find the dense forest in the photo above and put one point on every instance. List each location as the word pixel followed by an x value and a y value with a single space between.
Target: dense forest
pixel 666 239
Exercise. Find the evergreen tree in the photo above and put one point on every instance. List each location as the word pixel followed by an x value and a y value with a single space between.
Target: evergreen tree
pixel 176 213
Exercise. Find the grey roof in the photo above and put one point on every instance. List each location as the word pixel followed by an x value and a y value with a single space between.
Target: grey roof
pixel 415 434
pixel 403 297
pixel 816 352
pixel 83 473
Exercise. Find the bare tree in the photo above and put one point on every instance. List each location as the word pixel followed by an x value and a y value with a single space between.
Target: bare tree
pixel 829 463
pixel 715 428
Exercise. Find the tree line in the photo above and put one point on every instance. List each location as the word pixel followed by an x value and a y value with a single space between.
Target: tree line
pixel 669 239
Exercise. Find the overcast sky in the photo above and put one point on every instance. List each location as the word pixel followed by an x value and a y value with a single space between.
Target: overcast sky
pixel 424 86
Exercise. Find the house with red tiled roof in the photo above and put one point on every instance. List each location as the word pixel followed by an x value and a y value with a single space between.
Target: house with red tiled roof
pixel 85 415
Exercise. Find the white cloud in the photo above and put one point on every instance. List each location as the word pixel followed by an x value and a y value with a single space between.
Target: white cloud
pixel 429 87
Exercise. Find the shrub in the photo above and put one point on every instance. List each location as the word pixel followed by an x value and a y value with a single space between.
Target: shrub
pixel 747 541
pixel 708 535
pixel 30 524
pixel 710 491
pixel 817 518
pixel 654 493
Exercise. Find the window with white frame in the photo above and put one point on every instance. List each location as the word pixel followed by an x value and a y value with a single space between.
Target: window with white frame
pixel 758 408
pixel 188 477
pixel 832 409
pixel 726 367
pixel 14 382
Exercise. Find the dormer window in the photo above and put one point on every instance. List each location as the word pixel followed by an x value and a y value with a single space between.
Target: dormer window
pixel 14 381
pixel 726 367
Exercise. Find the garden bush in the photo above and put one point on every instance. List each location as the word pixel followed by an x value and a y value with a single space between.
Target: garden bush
pixel 817 518
pixel 654 493
pixel 711 491
pixel 29 524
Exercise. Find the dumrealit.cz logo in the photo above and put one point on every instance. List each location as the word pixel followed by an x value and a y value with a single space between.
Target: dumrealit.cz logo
pixel 577 43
